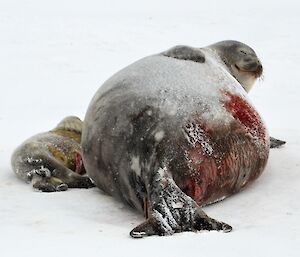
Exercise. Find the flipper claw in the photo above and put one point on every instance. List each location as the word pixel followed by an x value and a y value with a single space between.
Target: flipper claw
pixel 226 228
pixel 148 228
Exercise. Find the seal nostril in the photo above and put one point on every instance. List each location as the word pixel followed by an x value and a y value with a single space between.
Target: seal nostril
pixel 259 70
pixel 259 67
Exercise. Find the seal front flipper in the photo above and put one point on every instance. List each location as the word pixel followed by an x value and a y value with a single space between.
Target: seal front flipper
pixel 61 179
pixel 276 143
pixel 172 211
pixel 48 184
pixel 72 179
pixel 185 53
pixel 45 172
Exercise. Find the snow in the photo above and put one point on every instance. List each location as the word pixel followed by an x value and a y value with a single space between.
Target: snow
pixel 159 136
pixel 53 57
pixel 135 165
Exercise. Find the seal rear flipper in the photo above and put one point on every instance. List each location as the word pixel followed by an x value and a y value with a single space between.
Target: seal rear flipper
pixel 172 211
pixel 276 143
pixel 185 53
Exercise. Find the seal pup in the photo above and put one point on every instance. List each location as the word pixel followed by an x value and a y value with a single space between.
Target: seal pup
pixel 176 131
pixel 51 161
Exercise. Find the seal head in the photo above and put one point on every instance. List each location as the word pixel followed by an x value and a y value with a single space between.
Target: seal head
pixel 70 123
pixel 240 60
pixel 70 127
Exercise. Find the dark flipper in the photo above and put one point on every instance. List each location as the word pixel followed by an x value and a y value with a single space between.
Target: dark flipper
pixel 67 176
pixel 171 211
pixel 49 175
pixel 48 184
pixel 60 181
pixel 72 179
pixel 185 53
pixel 276 143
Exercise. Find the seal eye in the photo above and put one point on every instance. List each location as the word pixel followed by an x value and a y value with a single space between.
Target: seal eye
pixel 237 67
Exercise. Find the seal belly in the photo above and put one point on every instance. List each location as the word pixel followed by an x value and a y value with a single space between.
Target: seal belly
pixel 235 162
pixel 222 162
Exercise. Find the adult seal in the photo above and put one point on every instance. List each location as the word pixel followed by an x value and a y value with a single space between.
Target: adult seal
pixel 175 131
pixel 51 161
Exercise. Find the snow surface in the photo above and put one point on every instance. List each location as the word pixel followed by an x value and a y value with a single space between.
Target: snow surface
pixel 53 57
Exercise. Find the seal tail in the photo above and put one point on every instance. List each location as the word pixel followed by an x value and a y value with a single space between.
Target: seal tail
pixel 172 211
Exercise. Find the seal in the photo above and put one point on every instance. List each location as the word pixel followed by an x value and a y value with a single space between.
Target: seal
pixel 176 131
pixel 52 161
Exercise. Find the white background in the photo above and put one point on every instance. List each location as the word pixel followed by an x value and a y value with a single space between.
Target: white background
pixel 53 57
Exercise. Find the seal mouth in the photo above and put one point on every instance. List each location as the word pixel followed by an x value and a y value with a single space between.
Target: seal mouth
pixel 256 73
